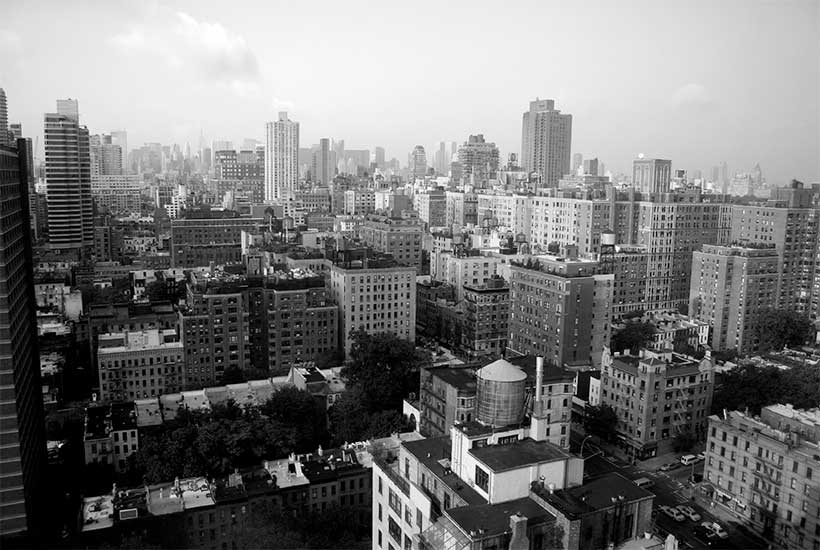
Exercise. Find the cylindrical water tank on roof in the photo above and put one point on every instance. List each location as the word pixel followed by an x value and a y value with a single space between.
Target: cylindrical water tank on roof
pixel 500 394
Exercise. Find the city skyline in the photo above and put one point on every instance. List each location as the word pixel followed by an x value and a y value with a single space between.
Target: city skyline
pixel 695 107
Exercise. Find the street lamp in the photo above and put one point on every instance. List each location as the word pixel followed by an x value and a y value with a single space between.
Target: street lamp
pixel 582 445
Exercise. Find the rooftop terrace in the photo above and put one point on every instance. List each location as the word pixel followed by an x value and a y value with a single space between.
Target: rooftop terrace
pixel 518 454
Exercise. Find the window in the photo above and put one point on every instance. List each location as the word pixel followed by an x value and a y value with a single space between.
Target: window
pixel 394 529
pixel 394 502
pixel 482 479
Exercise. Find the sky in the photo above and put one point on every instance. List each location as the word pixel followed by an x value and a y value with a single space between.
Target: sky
pixel 696 81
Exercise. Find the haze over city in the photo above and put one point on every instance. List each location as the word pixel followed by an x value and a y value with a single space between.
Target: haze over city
pixel 698 82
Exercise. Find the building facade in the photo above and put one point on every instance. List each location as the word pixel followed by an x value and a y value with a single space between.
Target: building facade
pixel 729 286
pixel 560 308
pixel 22 431
pixel 765 471
pixel 400 237
pixel 657 396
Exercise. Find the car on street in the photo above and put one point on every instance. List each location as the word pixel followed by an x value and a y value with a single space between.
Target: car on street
pixel 709 538
pixel 701 456
pixel 689 512
pixel 670 466
pixel 716 528
pixel 672 512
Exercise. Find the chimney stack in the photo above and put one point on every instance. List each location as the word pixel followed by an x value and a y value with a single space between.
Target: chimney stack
pixel 539 378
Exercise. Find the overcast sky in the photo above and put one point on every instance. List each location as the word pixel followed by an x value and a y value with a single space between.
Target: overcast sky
pixel 695 81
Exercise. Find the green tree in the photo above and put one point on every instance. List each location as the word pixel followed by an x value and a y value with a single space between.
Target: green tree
pixel 601 421
pixel 157 291
pixel 779 328
pixel 299 417
pixel 684 441
pixel 632 337
pixel 384 368
pixel 750 386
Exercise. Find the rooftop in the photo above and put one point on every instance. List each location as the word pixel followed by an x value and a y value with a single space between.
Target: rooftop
pixel 596 494
pixel 286 472
pixel 185 494
pixel 502 371
pixel 96 422
pixel 520 453
pixel 463 378
pixel 98 512
pixel 434 453
pixel 552 373
pixel 490 520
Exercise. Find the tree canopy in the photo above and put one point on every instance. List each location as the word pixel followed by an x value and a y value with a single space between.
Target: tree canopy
pixel 632 336
pixel 754 387
pixel 779 328
pixel 384 369
pixel 214 442
pixel 601 421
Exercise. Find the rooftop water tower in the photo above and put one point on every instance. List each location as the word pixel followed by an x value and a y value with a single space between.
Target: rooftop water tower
pixel 500 394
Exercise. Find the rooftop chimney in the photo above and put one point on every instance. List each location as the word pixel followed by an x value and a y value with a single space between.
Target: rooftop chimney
pixel 539 378
pixel 519 539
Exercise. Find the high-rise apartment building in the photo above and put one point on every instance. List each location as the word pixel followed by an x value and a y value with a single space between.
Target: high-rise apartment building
pixel 765 471
pixel 560 309
pixel 281 157
pixel 432 207
pixel 546 140
pixel 418 163
pixel 68 178
pixel 22 425
pixel 375 296
pixel 117 193
pixel 789 221
pixel 657 396
pixel 4 119
pixel 479 161
pixel 651 175
pixel 379 158
pixel 729 286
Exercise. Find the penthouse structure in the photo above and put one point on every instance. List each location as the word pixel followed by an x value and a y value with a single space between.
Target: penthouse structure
pixel 764 470
pixel 375 295
pixel 400 237
pixel 560 308
pixel 137 365
pixel 657 396
pixel 729 286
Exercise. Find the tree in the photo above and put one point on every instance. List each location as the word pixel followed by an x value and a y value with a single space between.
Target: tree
pixel 233 375
pixel 750 386
pixel 601 421
pixel 779 328
pixel 384 368
pixel 684 441
pixel 632 337
pixel 157 291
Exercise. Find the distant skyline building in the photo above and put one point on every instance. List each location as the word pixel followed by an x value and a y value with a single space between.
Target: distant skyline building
pixel 106 157
pixel 68 178
pixel 323 163
pixel 418 167
pixel 577 160
pixel 479 160
pixel 22 435
pixel 379 157
pixel 281 157
pixel 651 175
pixel 546 141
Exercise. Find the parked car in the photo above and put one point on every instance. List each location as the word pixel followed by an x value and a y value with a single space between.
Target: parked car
pixel 716 528
pixel 688 460
pixel 670 466
pixel 689 512
pixel 644 482
pixel 701 456
pixel 708 537
pixel 672 512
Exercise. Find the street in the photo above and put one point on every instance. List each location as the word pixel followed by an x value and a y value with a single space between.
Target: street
pixel 670 488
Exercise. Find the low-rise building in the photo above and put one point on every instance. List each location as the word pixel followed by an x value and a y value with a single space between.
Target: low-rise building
pixel 657 397
pixel 141 364
pixel 766 471
pixel 110 434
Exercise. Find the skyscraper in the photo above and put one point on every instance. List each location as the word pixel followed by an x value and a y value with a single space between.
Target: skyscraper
pixel 68 178
pixel 106 157
pixel 4 119
pixel 546 139
pixel 22 428
pixel 380 157
pixel 281 157
pixel 323 163
pixel 577 160
pixel 418 166
pixel 120 137
pixel 651 175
